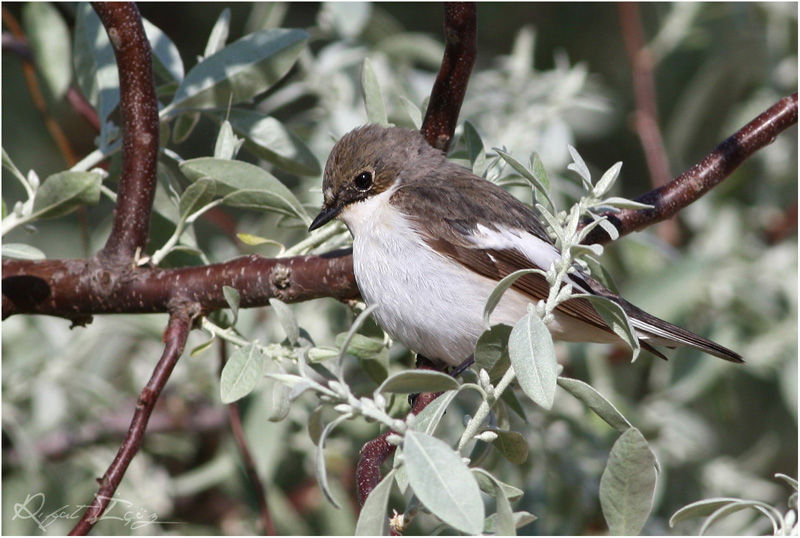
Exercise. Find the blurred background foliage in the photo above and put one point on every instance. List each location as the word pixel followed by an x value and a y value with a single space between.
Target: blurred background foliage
pixel 547 75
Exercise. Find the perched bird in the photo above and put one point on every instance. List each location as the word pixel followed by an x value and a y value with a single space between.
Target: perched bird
pixel 431 240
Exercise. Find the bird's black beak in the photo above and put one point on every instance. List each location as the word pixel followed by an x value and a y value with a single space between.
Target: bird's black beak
pixel 327 214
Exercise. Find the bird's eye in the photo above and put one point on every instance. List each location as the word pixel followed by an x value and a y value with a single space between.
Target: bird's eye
pixel 363 181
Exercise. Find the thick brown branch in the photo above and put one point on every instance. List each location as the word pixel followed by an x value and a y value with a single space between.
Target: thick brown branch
pixel 139 113
pixel 460 27
pixel 668 199
pixel 77 289
pixel 180 323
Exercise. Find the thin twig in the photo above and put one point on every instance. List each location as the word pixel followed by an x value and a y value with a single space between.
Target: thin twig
pixel 235 418
pixel 668 199
pixel 646 116
pixel 460 29
pixel 175 335
pixel 139 113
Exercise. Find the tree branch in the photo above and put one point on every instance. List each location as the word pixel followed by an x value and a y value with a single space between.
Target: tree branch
pixel 441 118
pixel 139 111
pixel 668 199
pixel 180 323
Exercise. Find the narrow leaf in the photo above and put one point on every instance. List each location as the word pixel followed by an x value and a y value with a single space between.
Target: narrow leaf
pixel 196 196
pixel 232 298
pixel 475 149
pixel 361 347
pixel 525 173
pixel 579 167
pixel 281 402
pixel 491 350
pixel 512 445
pixel 357 323
pixel 287 319
pixel 240 71
pixel 624 203
pixel 500 289
pixel 64 192
pixel 417 381
pixel 443 482
pixel 373 520
pixel 228 144
pixel 167 61
pixel 503 522
pixel 373 98
pixel 605 183
pixel 219 33
pixel 428 419
pixel 49 37
pixel 22 251
pixel 241 373
pixel 616 318
pixel 539 171
pixel 596 402
pixel 413 112
pixel 628 484
pixel 319 459
pixel 487 482
pixel 530 348
pixel 703 508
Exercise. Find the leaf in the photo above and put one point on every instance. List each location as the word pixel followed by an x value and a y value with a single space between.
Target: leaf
pixel 413 112
pixel 443 482
pixel 287 319
pixel 624 203
pixel 241 373
pixel 270 140
pixel 579 167
pixel 347 18
pixel 48 36
pixel 530 348
pixel 373 520
pixel 184 125
pixel 167 61
pixel 539 171
pixel 628 484
pixel 232 298
pixel 240 71
pixel 521 519
pixel 22 251
pixel 357 323
pixel 281 402
pixel 511 445
pixel 491 350
pixel 64 192
pixel 196 195
pixel 201 348
pixel 246 185
pixel 428 419
pixel 475 149
pixel 596 402
pixel 702 508
pixel 95 65
pixel 418 381
pixel 487 482
pixel 616 318
pixel 525 173
pixel 361 347
pixel 319 458
pixel 373 99
pixel 607 180
pixel 315 426
pixel 503 523
pixel 500 289
pixel 219 33
pixel 228 144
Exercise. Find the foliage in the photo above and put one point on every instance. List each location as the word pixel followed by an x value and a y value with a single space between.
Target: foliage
pixel 245 128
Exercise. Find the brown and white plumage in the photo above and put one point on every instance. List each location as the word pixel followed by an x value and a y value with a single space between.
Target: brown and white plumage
pixel 431 240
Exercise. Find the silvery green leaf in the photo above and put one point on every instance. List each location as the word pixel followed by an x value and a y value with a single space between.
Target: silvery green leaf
pixel 594 248
pixel 524 172
pixel 521 519
pixel 64 192
pixel 539 171
pixel 167 61
pixel 48 36
pixel 413 47
pixel 553 223
pixel 201 348
pixel 232 298
pixel 596 402
pixel 357 323
pixel 361 347
pixel 702 508
pixel 475 149
pixel 530 348
pixel 373 520
pixel 428 419
pixel 500 289
pixel 228 144
pixel 240 71
pixel 788 479
pixel 281 402
pixel 579 167
pixel 348 18
pixel 287 319
pixel 219 33
pixel 373 98
pixel 487 482
pixel 413 112
pixel 270 140
pixel 9 165
pixel 503 521
pixel 628 484
pixel 443 482
pixel 184 125
pixel 319 459
pixel 241 373
pixel 196 195
pixel 604 184
pixel 417 381
pixel 624 203
pixel 315 424
pixel 512 445
pixel 616 318
pixel 606 225
pixel 601 274
pixel 95 66
pixel 246 185
pixel 322 354
pixel 491 348
pixel 22 251
pixel 730 508
pixel 509 397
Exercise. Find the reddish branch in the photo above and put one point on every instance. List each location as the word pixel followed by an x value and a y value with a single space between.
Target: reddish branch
pixel 139 113
pixel 668 199
pixel 460 27
pixel 180 323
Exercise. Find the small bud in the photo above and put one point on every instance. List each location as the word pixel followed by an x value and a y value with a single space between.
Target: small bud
pixel 394 439
pixel 487 436
pixel 343 408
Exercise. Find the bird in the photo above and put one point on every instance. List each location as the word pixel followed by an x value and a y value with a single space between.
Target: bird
pixel 431 240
